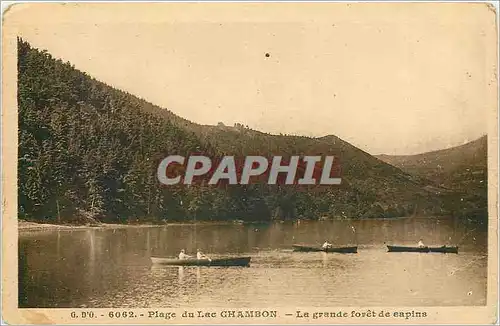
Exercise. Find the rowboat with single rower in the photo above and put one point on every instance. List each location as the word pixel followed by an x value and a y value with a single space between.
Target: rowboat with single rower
pixel 342 250
pixel 442 249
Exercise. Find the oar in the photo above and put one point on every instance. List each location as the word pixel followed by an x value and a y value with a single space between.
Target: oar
pixel 355 234
pixel 463 238
pixel 203 256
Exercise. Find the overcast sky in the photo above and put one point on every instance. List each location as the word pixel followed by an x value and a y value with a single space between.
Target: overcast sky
pixel 389 79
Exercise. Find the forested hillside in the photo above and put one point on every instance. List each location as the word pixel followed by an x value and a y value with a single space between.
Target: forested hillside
pixel 89 152
pixel 461 169
pixel 86 149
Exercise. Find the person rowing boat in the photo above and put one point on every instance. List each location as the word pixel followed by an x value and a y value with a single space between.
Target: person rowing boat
pixel 327 245
pixel 182 255
pixel 200 255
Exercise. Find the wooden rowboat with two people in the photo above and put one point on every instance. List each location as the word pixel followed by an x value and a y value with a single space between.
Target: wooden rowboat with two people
pixel 215 262
pixel 342 250
pixel 442 249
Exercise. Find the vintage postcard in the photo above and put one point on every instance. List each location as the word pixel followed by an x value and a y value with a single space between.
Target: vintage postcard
pixel 250 163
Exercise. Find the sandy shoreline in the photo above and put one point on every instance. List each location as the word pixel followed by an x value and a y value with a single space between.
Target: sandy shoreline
pixel 34 226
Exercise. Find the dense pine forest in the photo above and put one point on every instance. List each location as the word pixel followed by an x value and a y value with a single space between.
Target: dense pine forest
pixel 88 153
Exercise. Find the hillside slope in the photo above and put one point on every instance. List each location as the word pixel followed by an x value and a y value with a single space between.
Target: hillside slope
pixel 463 169
pixel 89 152
pixel 86 150
pixel 358 168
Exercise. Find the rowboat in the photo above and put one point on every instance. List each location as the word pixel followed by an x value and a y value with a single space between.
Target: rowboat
pixel 342 250
pixel 443 249
pixel 218 262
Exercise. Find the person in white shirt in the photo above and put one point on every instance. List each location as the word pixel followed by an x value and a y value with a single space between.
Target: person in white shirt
pixel 326 245
pixel 183 255
pixel 200 255
pixel 421 244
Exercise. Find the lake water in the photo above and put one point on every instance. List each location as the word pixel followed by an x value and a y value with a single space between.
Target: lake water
pixel 112 268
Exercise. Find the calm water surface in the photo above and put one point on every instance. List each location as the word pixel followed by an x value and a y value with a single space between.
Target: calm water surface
pixel 111 267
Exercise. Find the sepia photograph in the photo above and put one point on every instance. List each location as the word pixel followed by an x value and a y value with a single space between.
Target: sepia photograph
pixel 251 163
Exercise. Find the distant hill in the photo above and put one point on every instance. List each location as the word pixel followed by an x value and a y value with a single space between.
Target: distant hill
pixel 89 152
pixel 463 169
